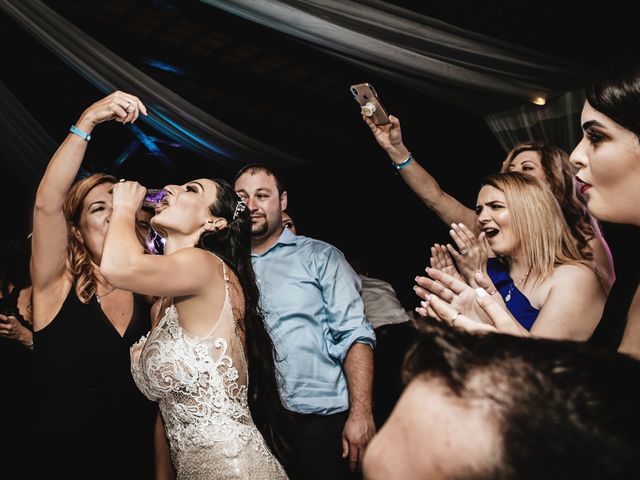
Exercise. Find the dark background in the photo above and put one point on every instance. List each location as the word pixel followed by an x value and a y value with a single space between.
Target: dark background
pixel 287 94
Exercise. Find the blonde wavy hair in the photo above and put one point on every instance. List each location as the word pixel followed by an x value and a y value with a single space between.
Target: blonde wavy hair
pixel 560 175
pixel 539 226
pixel 78 256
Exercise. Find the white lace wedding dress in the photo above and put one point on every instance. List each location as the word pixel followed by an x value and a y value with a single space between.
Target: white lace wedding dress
pixel 203 399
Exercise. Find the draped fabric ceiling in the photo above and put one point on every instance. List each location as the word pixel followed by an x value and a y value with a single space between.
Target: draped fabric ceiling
pixel 170 113
pixel 478 72
pixel 487 76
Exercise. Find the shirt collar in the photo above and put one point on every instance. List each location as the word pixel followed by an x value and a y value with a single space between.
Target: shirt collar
pixel 287 237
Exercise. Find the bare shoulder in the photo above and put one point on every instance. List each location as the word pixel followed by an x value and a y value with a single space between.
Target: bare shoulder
pixel 196 253
pixel 193 264
pixel 196 258
pixel 56 289
pixel 203 259
pixel 570 273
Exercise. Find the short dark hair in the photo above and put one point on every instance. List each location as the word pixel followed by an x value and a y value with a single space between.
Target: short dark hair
pixel 254 168
pixel 566 410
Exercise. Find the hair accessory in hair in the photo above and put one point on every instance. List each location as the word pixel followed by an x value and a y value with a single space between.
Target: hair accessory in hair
pixel 241 206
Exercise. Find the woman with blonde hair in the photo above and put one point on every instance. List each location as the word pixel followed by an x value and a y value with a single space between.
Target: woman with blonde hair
pixel 552 167
pixel 93 421
pixel 548 164
pixel 607 160
pixel 544 282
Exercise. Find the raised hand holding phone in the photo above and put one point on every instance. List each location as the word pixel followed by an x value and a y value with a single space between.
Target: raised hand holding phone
pixel 385 128
pixel 389 137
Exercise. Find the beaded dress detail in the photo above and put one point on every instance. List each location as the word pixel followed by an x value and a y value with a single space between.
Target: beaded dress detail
pixel 202 395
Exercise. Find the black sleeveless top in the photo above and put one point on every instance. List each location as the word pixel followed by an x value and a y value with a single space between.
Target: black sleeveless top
pixel 623 241
pixel 610 330
pixel 92 419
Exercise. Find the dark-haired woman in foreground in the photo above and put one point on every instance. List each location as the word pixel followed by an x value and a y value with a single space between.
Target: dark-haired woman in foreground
pixel 608 162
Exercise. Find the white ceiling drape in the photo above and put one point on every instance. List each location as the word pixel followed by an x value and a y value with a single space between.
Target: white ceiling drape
pixel 170 114
pixel 477 72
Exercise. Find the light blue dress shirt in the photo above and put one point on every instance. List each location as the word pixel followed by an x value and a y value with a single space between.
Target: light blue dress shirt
pixel 314 312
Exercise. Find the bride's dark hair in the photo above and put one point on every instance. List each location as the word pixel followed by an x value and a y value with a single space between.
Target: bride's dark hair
pixel 233 245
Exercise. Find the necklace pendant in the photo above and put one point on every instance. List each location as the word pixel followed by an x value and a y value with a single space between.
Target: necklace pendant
pixel 98 297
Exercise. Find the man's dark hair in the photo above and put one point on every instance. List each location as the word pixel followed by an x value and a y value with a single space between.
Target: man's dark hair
pixel 565 410
pixel 254 168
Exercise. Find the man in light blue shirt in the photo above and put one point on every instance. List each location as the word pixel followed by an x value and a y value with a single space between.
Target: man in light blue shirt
pixel 314 311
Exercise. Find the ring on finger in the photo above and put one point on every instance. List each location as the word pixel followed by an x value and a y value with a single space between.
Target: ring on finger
pixel 464 251
pixel 453 320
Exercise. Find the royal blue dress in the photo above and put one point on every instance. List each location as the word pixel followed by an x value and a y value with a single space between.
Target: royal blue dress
pixel 516 302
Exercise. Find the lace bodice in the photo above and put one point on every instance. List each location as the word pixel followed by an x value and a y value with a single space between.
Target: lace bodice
pixel 201 386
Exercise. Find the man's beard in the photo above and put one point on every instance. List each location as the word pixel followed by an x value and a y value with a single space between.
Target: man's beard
pixel 260 229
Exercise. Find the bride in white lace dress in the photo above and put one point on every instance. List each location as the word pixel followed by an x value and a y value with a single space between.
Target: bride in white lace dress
pixel 195 360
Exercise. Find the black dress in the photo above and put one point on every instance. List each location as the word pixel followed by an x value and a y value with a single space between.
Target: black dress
pixel 93 421
pixel 610 330
pixel 623 241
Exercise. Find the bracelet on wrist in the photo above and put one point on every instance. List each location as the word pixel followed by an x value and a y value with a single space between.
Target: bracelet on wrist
pixel 81 133
pixel 400 166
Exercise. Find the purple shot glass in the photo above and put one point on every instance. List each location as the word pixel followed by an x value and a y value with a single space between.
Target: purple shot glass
pixel 153 197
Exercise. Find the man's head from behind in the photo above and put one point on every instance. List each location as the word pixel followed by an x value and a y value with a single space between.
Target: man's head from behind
pixel 266 198
pixel 501 407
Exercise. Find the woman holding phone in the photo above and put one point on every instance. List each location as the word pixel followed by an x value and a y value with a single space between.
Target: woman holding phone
pixel 548 164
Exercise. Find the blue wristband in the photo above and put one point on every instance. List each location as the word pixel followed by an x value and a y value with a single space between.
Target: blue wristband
pixel 400 166
pixel 82 134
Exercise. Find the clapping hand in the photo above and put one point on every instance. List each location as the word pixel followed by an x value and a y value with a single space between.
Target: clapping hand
pixel 441 260
pixel 472 253
pixel 453 292
pixel 451 301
